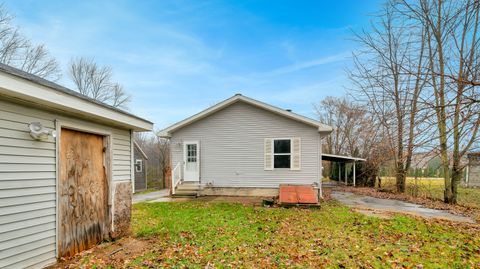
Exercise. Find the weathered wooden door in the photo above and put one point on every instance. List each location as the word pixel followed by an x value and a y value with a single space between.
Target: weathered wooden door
pixel 83 195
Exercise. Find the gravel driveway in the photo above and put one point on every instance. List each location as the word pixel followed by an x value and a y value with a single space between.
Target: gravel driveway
pixel 364 202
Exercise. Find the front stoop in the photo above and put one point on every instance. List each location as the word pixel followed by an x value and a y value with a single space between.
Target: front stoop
pixel 188 189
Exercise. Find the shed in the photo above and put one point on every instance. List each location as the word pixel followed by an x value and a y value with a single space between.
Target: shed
pixel 472 178
pixel 66 170
pixel 140 167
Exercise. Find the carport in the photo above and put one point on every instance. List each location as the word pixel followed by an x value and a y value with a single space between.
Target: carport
pixel 345 160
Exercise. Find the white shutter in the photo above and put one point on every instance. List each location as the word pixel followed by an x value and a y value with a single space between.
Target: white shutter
pixel 268 154
pixel 296 153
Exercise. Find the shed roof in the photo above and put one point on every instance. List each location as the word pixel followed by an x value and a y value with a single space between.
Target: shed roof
pixel 22 85
pixel 241 98
pixel 340 158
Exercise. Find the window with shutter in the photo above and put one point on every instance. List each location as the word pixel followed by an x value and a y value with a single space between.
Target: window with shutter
pixel 282 153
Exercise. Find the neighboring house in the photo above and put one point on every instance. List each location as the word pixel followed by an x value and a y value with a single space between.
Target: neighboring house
pixel 140 168
pixel 66 170
pixel 473 170
pixel 244 147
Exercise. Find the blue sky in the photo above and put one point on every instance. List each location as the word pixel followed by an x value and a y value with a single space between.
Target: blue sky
pixel 176 58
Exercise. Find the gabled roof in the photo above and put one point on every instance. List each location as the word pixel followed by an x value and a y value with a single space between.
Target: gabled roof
pixel 19 84
pixel 140 149
pixel 240 98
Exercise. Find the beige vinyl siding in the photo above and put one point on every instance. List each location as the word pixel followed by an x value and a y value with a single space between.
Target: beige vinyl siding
pixel 232 143
pixel 28 183
pixel 122 155
pixel 27 190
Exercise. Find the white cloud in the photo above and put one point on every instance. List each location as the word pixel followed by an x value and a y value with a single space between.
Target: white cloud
pixel 299 66
pixel 174 70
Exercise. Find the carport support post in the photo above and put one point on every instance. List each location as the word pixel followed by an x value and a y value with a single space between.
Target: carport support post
pixel 346 182
pixel 339 171
pixel 354 179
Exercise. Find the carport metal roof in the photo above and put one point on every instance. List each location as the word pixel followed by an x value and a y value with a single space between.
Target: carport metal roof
pixel 341 159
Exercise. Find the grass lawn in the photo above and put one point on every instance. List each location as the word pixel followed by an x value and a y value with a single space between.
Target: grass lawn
pixel 229 235
pixel 433 188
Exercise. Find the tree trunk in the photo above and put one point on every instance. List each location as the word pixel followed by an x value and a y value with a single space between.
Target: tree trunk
pixel 400 178
pixel 457 174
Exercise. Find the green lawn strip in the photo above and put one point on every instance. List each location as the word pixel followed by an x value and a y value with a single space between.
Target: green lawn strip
pixel 195 234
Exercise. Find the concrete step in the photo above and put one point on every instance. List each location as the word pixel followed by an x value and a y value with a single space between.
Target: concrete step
pixel 185 193
pixel 189 188
pixel 192 186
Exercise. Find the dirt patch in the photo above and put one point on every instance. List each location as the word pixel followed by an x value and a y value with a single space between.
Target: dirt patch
pixel 472 212
pixel 110 253
pixel 327 194
pixel 375 213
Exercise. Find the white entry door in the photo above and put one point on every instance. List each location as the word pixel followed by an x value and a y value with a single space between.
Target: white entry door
pixel 191 154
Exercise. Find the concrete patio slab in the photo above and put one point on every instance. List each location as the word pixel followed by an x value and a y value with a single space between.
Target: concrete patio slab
pixel 364 202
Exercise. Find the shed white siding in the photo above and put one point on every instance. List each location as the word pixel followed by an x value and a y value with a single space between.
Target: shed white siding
pixel 28 183
pixel 232 147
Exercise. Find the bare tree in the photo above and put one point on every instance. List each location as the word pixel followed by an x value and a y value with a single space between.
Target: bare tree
pixel 163 147
pixel 18 51
pixel 158 151
pixel 95 81
pixel 388 78
pixel 355 133
pixel 119 97
pixel 349 121
pixel 453 61
pixel 91 79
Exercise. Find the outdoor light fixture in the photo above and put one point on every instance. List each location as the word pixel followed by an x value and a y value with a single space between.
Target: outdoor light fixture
pixel 38 132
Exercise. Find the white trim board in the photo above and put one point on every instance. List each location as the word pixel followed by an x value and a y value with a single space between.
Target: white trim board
pixel 23 89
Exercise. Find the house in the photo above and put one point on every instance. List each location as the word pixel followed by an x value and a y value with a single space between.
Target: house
pixel 140 167
pixel 473 170
pixel 242 146
pixel 66 170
